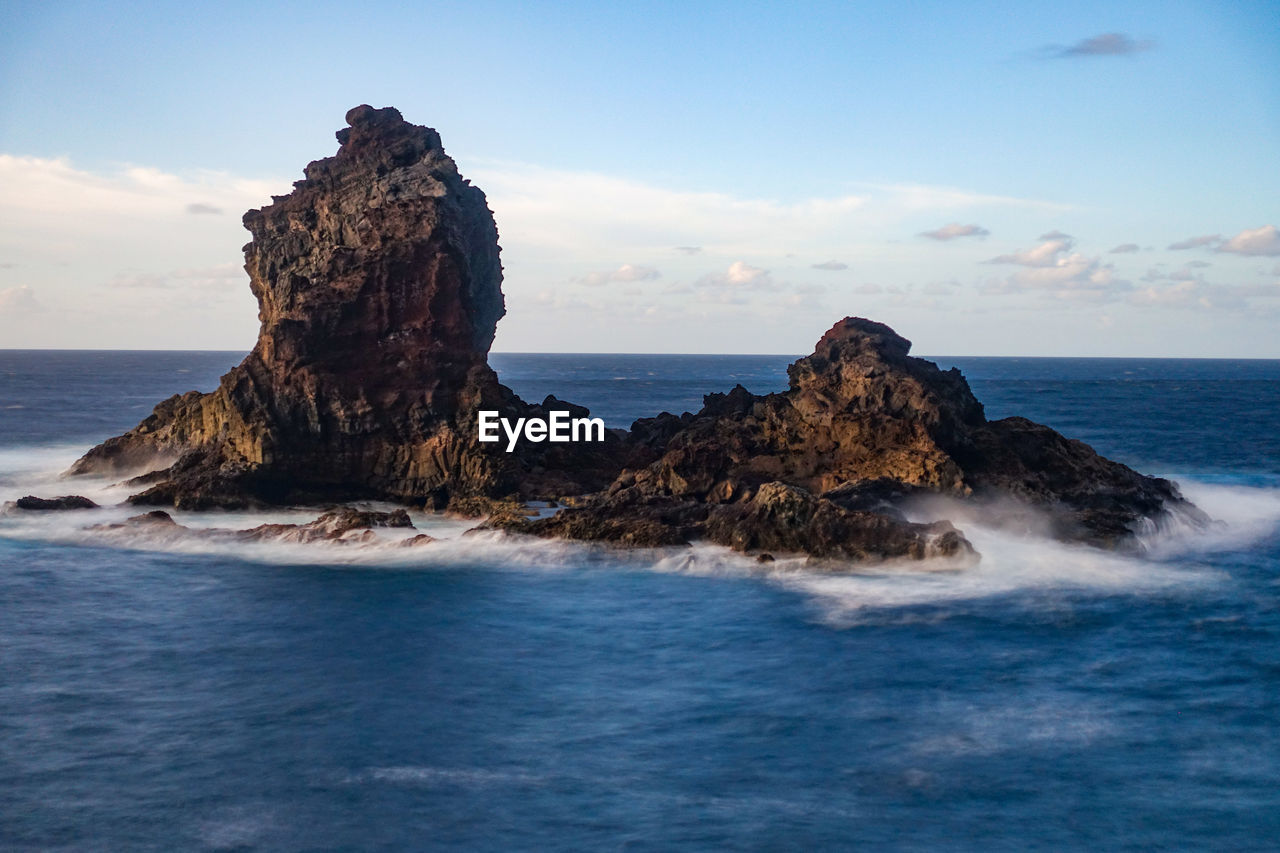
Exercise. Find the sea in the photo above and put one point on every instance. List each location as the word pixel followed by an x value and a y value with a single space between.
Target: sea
pixel 486 693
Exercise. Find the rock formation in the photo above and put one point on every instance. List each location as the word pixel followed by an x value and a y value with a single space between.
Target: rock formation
pixel 826 466
pixel 379 288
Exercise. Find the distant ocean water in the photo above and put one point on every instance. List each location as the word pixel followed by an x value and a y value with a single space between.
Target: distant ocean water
pixel 485 694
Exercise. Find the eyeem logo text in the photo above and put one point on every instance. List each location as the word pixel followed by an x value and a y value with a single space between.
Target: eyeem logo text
pixel 558 427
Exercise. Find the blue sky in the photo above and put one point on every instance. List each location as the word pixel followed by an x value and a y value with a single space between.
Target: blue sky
pixel 802 148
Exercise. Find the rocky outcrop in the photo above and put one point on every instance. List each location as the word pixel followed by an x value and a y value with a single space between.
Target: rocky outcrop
pixel 379 288
pixel 865 430
pixel 59 503
pixel 342 526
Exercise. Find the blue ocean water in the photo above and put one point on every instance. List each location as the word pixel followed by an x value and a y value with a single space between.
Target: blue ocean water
pixel 491 695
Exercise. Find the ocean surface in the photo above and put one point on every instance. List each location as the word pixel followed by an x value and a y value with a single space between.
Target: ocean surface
pixel 491 694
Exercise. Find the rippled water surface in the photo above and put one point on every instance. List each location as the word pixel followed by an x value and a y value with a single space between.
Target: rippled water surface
pixel 491 694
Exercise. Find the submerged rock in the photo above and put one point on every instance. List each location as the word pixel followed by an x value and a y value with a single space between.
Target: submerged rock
pixel 787 518
pixel 340 525
pixel 379 288
pixel 59 503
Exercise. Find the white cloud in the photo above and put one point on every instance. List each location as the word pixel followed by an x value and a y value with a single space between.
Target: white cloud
pixel 1053 269
pixel 1264 241
pixel 16 301
pixel 741 272
pixel 740 275
pixel 831 266
pixel 626 272
pixel 737 285
pixel 1073 277
pixel 1047 254
pixel 955 230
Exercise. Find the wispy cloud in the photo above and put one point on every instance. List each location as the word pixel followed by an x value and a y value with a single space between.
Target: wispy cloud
pixel 224 277
pixel 923 197
pixel 149 281
pixel 955 230
pixel 1196 242
pixel 1196 293
pixel 831 266
pixel 1124 249
pixel 42 186
pixel 1105 44
pixel 571 213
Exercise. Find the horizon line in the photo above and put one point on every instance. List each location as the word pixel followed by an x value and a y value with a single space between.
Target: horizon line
pixel 674 354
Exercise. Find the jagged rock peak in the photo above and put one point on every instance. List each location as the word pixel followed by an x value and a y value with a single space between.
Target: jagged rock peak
pixel 860 365
pixel 857 335
pixel 383 254
pixel 376 134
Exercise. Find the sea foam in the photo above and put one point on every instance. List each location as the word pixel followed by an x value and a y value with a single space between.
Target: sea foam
pixel 1012 562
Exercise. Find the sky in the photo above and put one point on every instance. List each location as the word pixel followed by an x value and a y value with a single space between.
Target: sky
pixel 1064 179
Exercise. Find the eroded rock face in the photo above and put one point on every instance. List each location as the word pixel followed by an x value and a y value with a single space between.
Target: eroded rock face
pixel 379 289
